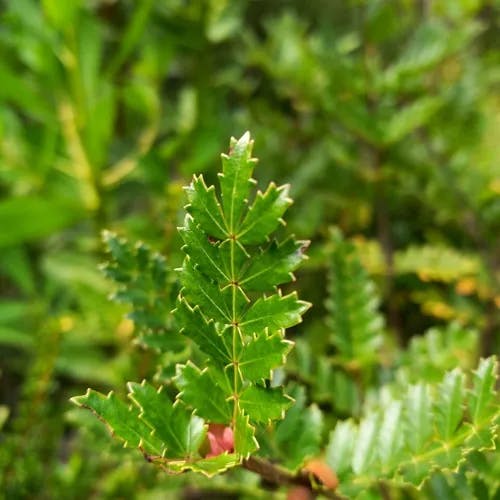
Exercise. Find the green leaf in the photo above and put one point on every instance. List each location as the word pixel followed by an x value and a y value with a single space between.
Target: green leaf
pixel 214 465
pixel 16 265
pixel 482 438
pixel 430 355
pixel 16 338
pixel 168 435
pixel 410 117
pixel 228 324
pixel 274 265
pixel 181 432
pixel 25 93
pixel 449 409
pixel 261 355
pixel 4 415
pixel 205 254
pixel 206 466
pixel 202 332
pixel 170 342
pixel 298 435
pixel 418 416
pixel 235 258
pixel 206 209
pixel 357 326
pixel 436 262
pixel 122 420
pixel 431 42
pixel 264 216
pixel 235 180
pixel 200 291
pixel 240 332
pixel 131 35
pixel 263 404
pixel 390 438
pixel 142 278
pixel 403 441
pixel 244 436
pixel 199 390
pixel 29 218
pixel 273 313
pixel 482 397
pixel 365 450
pixel 340 447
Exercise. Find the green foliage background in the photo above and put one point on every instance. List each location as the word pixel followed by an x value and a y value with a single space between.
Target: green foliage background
pixel 383 115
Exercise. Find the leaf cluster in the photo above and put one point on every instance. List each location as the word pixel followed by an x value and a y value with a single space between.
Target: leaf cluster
pixel 231 260
pixel 432 427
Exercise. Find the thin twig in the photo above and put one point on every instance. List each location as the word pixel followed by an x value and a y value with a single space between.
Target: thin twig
pixel 275 474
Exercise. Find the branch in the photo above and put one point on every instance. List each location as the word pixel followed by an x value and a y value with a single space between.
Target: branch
pixel 275 474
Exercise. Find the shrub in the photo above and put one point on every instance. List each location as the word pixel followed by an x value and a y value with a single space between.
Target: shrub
pixel 227 403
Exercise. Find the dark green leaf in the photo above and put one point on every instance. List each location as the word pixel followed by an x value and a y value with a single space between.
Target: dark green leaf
pixel 203 332
pixel 235 180
pixel 181 432
pixel 261 355
pixel 122 420
pixel 205 254
pixel 274 265
pixel 273 313
pixel 205 208
pixel 264 215
pixel 263 404
pixel 201 291
pixel 244 436
pixel 199 390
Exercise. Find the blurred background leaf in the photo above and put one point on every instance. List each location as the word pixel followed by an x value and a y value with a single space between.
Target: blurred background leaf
pixel 384 117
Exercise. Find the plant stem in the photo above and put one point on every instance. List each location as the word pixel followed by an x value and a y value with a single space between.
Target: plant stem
pixel 274 474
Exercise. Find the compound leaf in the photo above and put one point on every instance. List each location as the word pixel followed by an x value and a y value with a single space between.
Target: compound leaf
pixel 432 427
pixel 142 277
pixel 356 325
pixel 239 334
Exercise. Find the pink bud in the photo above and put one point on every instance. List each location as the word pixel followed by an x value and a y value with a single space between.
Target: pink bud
pixel 220 438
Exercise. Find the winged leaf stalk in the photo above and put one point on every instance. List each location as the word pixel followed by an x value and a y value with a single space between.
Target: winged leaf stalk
pixel 232 309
